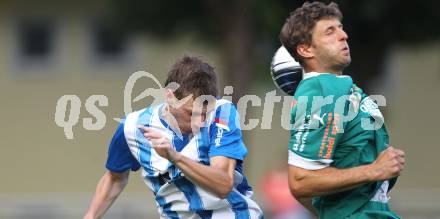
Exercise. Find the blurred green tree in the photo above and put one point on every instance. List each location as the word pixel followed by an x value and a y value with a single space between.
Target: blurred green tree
pixel 247 31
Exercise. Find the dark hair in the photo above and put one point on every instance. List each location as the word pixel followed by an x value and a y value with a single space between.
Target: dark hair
pixel 194 77
pixel 299 25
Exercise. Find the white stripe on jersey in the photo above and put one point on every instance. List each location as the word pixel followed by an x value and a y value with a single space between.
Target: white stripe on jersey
pixel 218 103
pixel 211 201
pixel 186 215
pixel 157 162
pixel 191 149
pixel 223 214
pixel 130 129
pixel 173 195
pixel 170 192
pixel 253 208
pixel 308 164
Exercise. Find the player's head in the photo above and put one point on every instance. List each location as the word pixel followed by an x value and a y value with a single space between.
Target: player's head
pixel 313 35
pixel 196 78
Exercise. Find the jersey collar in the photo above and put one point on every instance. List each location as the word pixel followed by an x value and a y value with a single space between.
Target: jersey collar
pixel 314 74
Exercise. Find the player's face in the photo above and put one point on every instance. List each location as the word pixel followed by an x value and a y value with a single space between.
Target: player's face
pixel 329 43
pixel 190 116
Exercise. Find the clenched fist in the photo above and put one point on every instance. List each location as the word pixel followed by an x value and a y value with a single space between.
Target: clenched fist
pixel 160 144
pixel 388 164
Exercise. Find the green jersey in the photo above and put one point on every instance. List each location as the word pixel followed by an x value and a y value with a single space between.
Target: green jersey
pixel 334 123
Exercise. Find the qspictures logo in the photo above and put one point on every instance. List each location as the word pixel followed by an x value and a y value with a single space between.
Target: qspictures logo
pixel 311 118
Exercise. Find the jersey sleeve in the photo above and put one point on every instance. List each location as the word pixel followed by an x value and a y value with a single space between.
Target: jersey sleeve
pixel 314 134
pixel 119 158
pixel 225 134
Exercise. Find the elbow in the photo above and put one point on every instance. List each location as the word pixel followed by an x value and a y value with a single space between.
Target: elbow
pixel 223 194
pixel 298 190
pixel 224 191
pixel 298 184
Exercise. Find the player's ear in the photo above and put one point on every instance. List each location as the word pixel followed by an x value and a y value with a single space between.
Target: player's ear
pixel 304 50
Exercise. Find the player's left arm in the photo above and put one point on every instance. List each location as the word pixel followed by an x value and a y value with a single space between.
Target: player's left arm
pixel 218 177
pixel 107 191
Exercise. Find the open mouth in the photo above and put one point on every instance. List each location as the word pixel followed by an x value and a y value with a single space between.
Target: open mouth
pixel 346 50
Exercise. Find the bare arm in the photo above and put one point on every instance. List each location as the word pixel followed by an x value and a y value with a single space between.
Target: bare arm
pixel 308 183
pixel 217 178
pixel 108 189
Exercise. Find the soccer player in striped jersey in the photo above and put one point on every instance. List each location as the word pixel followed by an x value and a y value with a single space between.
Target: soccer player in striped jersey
pixel 190 151
pixel 338 151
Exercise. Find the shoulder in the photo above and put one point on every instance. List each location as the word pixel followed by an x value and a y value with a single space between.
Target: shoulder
pixel 224 114
pixel 224 108
pixel 143 116
pixel 222 102
pixel 144 113
pixel 324 85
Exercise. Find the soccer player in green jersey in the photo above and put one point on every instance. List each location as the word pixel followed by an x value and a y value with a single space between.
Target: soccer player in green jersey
pixel 339 157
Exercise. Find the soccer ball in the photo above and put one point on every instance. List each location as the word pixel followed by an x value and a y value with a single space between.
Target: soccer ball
pixel 286 72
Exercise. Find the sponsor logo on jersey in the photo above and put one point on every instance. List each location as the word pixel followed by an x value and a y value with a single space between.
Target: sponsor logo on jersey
pixel 218 137
pixel 369 106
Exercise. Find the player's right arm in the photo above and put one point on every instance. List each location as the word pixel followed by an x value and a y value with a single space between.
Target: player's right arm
pixel 311 147
pixel 119 163
pixel 108 189
pixel 305 183
pixel 226 150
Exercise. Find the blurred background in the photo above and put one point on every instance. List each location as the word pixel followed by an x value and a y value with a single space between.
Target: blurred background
pixel 53 48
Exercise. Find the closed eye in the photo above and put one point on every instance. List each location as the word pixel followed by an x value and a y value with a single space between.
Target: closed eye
pixel 332 29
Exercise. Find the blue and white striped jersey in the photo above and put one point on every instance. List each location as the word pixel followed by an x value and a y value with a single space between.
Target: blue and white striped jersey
pixel 176 195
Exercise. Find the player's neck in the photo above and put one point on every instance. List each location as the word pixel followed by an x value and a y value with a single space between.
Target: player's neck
pixel 323 70
pixel 314 67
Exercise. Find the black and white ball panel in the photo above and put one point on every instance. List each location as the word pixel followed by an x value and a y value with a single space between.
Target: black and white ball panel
pixel 286 72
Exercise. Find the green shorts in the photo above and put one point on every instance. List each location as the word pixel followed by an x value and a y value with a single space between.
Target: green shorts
pixel 374 210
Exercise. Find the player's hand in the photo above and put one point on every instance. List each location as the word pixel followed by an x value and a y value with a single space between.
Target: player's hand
pixel 388 164
pixel 161 144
